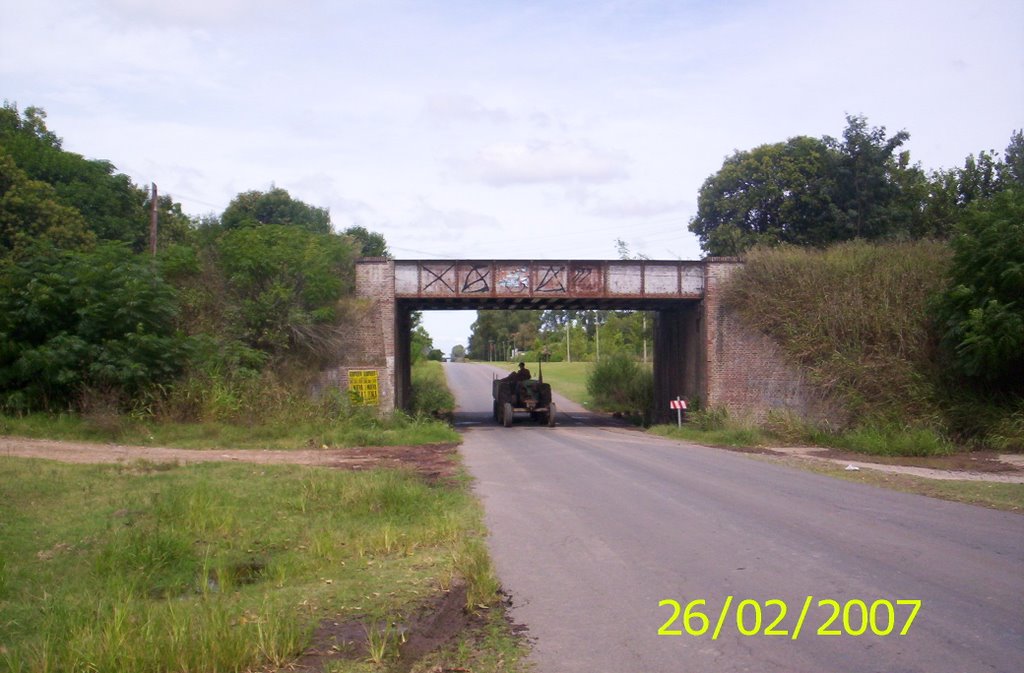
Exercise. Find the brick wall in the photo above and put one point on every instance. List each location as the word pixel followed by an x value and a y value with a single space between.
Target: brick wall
pixel 370 327
pixel 746 371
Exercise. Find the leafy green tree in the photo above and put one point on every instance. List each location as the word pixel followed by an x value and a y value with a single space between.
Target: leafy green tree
pixel 813 192
pixel 31 212
pixel 72 321
pixel 285 284
pixel 773 193
pixel 982 312
pixel 371 243
pixel 866 195
pixel 1012 170
pixel 420 342
pixel 113 207
pixel 251 209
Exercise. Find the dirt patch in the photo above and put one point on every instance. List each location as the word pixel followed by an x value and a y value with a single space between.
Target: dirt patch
pixel 436 624
pixel 433 461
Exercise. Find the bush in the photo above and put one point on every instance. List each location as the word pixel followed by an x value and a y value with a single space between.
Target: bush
pixel 72 321
pixel 982 311
pixel 430 394
pixel 286 283
pixel 620 384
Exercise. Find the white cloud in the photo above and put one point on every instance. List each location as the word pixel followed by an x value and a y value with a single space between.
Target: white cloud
pixel 457 108
pixel 638 208
pixel 504 164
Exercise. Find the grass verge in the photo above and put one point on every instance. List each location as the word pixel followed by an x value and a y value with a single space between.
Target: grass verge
pixel 996 495
pixel 714 428
pixel 358 428
pixel 152 567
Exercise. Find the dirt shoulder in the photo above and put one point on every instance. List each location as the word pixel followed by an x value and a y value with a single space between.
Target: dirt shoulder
pixel 434 461
pixel 978 466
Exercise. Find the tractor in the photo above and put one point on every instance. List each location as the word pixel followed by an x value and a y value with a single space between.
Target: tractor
pixel 513 393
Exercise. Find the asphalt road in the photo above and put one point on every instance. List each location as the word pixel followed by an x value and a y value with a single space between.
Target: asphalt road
pixel 592 525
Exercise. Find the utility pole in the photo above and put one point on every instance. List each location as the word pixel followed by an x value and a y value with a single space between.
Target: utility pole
pixel 645 337
pixel 152 222
pixel 568 355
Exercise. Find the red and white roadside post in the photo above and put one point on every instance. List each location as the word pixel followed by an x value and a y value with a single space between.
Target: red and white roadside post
pixel 679 405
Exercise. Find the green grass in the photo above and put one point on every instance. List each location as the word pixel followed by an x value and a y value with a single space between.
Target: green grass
pixel 568 379
pixel 218 566
pixel 430 394
pixel 888 440
pixel 713 427
pixel 361 428
pixel 996 495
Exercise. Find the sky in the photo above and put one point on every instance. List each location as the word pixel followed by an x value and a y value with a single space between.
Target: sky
pixel 499 129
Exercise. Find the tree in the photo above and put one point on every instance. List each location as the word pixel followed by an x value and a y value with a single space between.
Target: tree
pixel 982 312
pixel 113 207
pixel 866 193
pixel 250 209
pixel 371 243
pixel 813 192
pixel 421 344
pixel 30 211
pixel 495 334
pixel 773 193
pixel 286 282
pixel 1012 170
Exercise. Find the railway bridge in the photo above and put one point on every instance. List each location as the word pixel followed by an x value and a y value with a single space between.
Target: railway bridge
pixel 701 351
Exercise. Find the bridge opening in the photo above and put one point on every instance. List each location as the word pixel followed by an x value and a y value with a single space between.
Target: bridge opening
pixel 672 346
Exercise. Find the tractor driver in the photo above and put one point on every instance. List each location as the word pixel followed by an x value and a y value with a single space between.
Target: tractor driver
pixel 523 374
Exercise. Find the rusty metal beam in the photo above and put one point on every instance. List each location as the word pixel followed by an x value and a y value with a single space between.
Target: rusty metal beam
pixel 468 284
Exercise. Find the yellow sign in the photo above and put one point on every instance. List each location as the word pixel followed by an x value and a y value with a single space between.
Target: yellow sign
pixel 362 386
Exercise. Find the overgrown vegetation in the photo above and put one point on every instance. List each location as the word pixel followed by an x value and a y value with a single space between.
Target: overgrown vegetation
pixel 921 343
pixel 154 567
pixel 860 319
pixel 430 394
pixel 620 384
pixel 226 329
pixel 855 316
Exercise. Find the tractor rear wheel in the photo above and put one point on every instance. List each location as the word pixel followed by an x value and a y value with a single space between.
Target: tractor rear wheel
pixel 551 415
pixel 506 415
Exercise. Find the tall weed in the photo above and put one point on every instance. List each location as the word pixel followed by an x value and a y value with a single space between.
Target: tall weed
pixel 855 316
pixel 621 384
pixel 889 440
